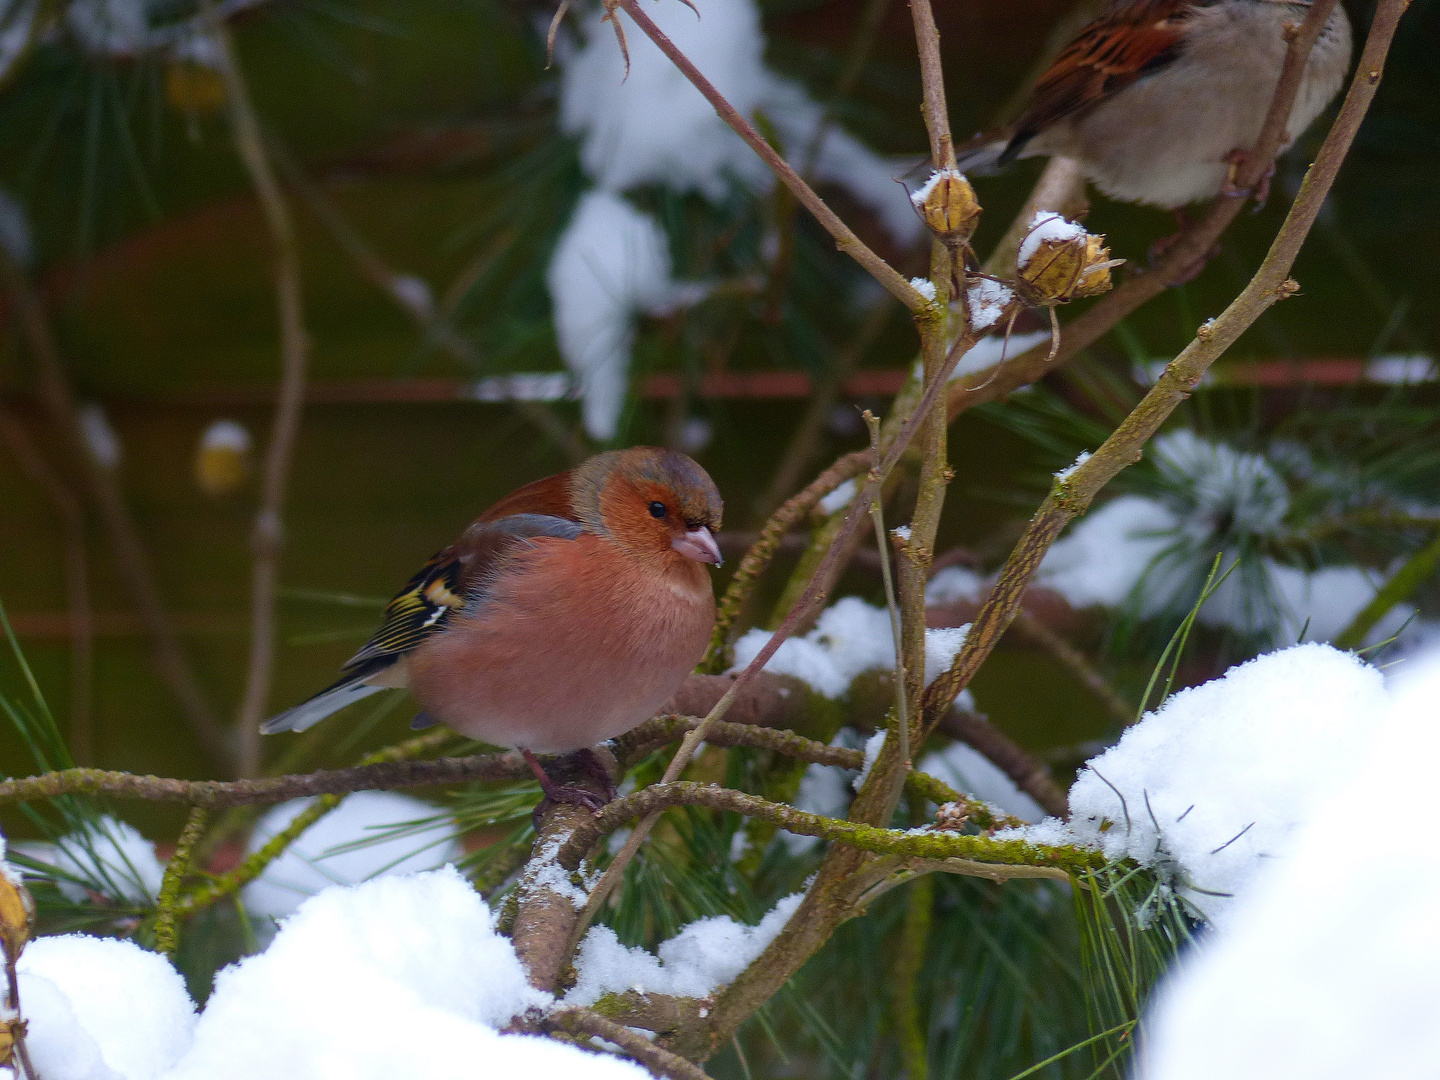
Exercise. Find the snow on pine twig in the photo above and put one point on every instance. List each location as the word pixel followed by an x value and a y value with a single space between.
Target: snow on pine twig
pixel 704 956
pixel 1329 967
pixel 1215 783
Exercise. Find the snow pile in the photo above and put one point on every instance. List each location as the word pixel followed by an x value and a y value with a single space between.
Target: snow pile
pixel 850 636
pixel 1153 552
pixel 1216 782
pixel 611 263
pixel 323 855
pixel 838 499
pixel 1046 226
pixel 1330 969
pixel 109 858
pixel 653 127
pixel 403 976
pixel 102 1009
pixel 702 957
pixel 971 773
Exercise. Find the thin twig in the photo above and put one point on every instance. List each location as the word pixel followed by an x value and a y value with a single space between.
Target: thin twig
pixel 167 938
pixel 882 542
pixel 992 854
pixel 131 558
pixel 932 81
pixel 1072 496
pixel 268 536
pixel 845 238
pixel 660 1062
pixel 76 562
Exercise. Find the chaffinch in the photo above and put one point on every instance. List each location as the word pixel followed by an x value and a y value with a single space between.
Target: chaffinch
pixel 565 615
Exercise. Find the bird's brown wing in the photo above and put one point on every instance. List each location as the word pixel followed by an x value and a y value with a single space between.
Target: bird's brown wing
pixel 455 577
pixel 1107 56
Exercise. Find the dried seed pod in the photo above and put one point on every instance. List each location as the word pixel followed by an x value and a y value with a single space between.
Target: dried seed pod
pixel 222 461
pixel 1061 262
pixel 948 204
pixel 17 913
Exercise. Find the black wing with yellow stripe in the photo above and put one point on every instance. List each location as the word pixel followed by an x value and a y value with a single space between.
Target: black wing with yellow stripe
pixel 455 577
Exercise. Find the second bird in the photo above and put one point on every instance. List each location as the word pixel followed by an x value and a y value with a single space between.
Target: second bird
pixel 565 615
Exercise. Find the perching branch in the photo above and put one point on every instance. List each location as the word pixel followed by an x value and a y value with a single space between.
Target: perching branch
pixel 994 856
pixel 1071 496
pixel 845 238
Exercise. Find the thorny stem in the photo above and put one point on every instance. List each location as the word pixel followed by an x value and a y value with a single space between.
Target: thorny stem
pixel 131 557
pixel 845 237
pixel 1189 248
pixel 1070 497
pixel 167 937
pixel 71 517
pixel 268 537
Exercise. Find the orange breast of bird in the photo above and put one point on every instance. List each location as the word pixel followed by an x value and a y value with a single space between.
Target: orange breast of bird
pixel 575 642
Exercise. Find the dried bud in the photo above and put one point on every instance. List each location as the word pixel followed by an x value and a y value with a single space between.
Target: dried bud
pixel 222 462
pixel 17 913
pixel 948 204
pixel 951 817
pixel 1060 261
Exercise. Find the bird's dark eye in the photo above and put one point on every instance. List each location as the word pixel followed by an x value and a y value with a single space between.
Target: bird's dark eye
pixel 657 509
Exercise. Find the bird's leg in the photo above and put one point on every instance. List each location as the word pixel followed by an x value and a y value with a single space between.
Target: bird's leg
pixel 1165 243
pixel 567 793
pixel 1261 191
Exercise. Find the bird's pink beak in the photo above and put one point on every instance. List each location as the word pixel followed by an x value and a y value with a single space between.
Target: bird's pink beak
pixel 698 544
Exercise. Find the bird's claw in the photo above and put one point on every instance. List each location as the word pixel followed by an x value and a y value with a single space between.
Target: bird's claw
pixel 1235 159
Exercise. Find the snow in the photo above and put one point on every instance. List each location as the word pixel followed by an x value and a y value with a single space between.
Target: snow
pixel 1107 553
pixel 654 127
pixel 401 976
pixel 839 498
pixel 920 194
pixel 543 871
pixel 989 351
pixel 971 773
pixel 611 263
pixel 850 636
pixel 954 583
pixel 987 302
pixel 525 386
pixel 901 531
pixel 1401 369
pixel 925 287
pixel 15 235
pixel 702 957
pixel 873 745
pixel 1216 782
pixel 1330 968
pixel 226 435
pixel 311 863
pixel 110 858
pixel 109 27
pixel 1047 226
pixel 101 1009
pixel 1069 470
pixel 100 437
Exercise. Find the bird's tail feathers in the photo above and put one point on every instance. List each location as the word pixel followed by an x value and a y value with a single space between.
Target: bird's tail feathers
pixel 330 700
pixel 983 155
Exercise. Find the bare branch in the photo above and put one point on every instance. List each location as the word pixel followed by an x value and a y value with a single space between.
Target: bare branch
pixel 932 79
pixel 167 938
pixel 661 1062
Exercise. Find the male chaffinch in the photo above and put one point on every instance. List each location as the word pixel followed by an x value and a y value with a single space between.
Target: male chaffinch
pixel 565 615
